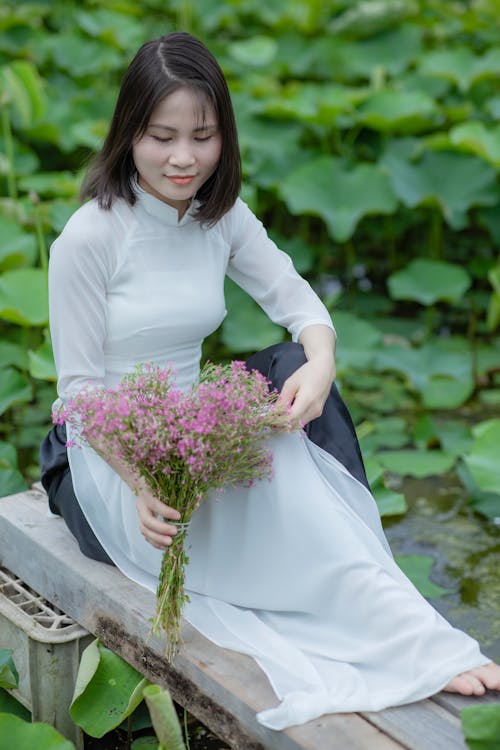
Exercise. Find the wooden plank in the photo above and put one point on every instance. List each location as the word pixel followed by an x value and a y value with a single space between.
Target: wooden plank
pixel 420 726
pixel 455 703
pixel 222 688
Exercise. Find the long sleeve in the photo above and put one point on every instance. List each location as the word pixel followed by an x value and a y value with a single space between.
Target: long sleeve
pixel 268 275
pixel 81 264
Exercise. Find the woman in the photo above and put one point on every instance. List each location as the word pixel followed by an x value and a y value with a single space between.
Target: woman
pixel 296 572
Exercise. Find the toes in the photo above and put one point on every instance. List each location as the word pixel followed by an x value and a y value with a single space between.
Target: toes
pixel 489 676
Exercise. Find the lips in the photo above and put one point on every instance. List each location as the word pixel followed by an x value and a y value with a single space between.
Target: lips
pixel 180 179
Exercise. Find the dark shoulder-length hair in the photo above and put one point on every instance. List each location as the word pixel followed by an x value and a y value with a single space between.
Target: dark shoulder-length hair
pixel 159 68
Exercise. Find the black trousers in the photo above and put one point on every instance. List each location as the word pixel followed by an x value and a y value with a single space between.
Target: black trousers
pixel 333 431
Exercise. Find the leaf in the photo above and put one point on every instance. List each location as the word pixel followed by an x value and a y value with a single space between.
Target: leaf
pixel 164 717
pixel 341 197
pixel 421 365
pixel 24 297
pixel 146 743
pixel 58 184
pixel 461 66
pixel 394 111
pixel 107 691
pixel 446 392
pixel 429 281
pixel 256 51
pixel 246 327
pixel 389 503
pixel 357 340
pixel 24 90
pixel 469 182
pixel 14 388
pixel 312 102
pixel 417 568
pixel 17 247
pixel 41 361
pixel 8 456
pixel 11 482
pixel 486 503
pixel 481 726
pixel 416 463
pixel 22 735
pixel 482 459
pixel 391 51
pixel 475 137
pixel 13 354
pixel 9 705
pixel 370 17
pixel 9 677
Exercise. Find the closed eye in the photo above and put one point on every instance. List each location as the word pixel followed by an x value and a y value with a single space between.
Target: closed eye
pixel 161 140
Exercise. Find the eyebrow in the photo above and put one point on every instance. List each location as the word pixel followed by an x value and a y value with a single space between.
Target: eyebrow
pixel 199 129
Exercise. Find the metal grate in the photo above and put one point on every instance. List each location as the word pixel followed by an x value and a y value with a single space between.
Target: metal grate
pixel 32 604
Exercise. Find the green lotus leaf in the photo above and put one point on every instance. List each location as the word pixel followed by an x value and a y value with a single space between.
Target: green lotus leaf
pixel 246 327
pixel 11 482
pixel 9 705
pixel 117 29
pixel 312 102
pixel 24 90
pixel 17 247
pixel 41 361
pixel 24 297
pixel 371 17
pixel 469 182
pixel 13 354
pixel 416 463
pixel 107 690
pixel 429 281
pixel 357 341
pixel 257 51
pixel 421 364
pixel 418 568
pixel 481 726
pixel 493 107
pixel 81 56
pixel 477 138
pixel 14 732
pixel 395 111
pixel 391 51
pixel 389 503
pixel 8 456
pixel 57 184
pixel 164 717
pixel 145 743
pixel 14 388
pixel 482 458
pixel 446 392
pixel 486 503
pixel 490 218
pixel 341 197
pixel 9 677
pixel 461 66
pixel 25 159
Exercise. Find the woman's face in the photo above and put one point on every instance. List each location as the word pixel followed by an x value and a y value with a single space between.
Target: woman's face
pixel 179 150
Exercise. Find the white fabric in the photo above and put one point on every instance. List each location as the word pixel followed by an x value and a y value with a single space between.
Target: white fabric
pixel 296 571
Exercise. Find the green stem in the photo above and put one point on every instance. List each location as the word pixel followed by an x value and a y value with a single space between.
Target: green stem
pixel 186 733
pixel 9 151
pixel 40 236
pixel 436 235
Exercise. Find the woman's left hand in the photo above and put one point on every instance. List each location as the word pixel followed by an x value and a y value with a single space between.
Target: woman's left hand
pixel 307 389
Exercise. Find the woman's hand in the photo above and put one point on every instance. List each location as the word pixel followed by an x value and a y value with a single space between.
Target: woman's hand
pixel 152 515
pixel 307 389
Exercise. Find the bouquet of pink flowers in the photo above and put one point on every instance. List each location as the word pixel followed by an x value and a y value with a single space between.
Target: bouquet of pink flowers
pixel 183 444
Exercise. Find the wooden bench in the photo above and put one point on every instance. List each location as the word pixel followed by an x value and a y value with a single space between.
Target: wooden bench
pixel 223 689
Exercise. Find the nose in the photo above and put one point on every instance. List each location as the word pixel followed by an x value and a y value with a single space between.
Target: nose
pixel 181 155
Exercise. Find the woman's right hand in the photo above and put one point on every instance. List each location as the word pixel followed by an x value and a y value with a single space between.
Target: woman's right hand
pixel 153 515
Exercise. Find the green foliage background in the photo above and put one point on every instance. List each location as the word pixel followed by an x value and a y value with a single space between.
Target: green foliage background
pixel 370 138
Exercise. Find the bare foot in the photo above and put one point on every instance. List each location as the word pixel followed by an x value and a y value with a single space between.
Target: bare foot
pixel 476 681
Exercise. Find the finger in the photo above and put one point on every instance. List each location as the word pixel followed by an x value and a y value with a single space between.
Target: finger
pixel 160 541
pixel 288 392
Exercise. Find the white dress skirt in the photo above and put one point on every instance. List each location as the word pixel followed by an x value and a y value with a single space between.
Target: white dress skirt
pixel 296 572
